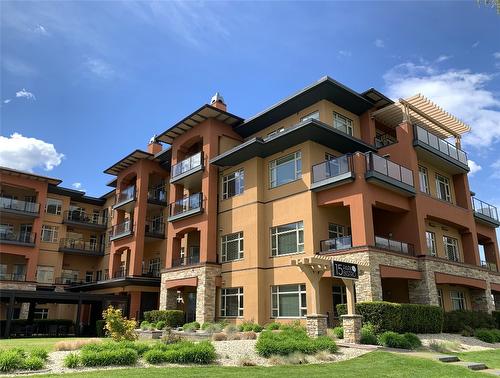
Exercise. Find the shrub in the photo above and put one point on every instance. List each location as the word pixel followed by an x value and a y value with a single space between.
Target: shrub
pixel 161 324
pixel 118 327
pixel 219 336
pixel 457 321
pixel 170 337
pixel 34 363
pixel 172 318
pixel 250 335
pixel 11 359
pixel 485 335
pixel 72 360
pixel 496 316
pixel 272 326
pixel 444 346
pixel 213 327
pixel 496 333
pixel 183 352
pixel 40 353
pixel 413 340
pixel 99 328
pixel 145 325
pixel 191 327
pixel 250 326
pixel 421 318
pixel 246 361
pixel 74 344
pixel 121 357
pixel 338 332
pixel 231 328
pixel 394 340
pixel 368 335
pixel 234 336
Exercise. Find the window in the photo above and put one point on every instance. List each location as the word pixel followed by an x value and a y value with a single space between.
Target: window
pixel 233 184
pixel 339 297
pixel 232 247
pixel 288 301
pixel 98 275
pixel 41 313
pixel 329 156
pixel 7 231
pixel 285 169
pixel 423 178
pixel 451 248
pixel 342 123
pixel 443 188
pixel 458 300
pixel 49 234
pixel 53 206
pixel 45 274
pixel 431 242
pixel 93 242
pixel 154 265
pixel 25 233
pixel 231 302
pixel 440 298
pixel 335 231
pixel 277 131
pixel 313 115
pixel 89 276
pixel 3 271
pixel 69 276
pixel 288 238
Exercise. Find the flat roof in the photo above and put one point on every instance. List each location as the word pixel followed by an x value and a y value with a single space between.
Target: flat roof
pixel 29 175
pixel 75 195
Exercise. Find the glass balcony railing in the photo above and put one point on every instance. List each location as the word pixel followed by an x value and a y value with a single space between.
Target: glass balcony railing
pixel 485 209
pixel 394 246
pixel 31 208
pixel 12 277
pixel 157 194
pixel 125 195
pixel 441 145
pixel 188 164
pixel 155 228
pixel 81 245
pixel 336 244
pixel 186 205
pixel 331 168
pixel 122 229
pixel 384 140
pixel 388 168
pixel 17 237
pixel 187 260
pixel 85 218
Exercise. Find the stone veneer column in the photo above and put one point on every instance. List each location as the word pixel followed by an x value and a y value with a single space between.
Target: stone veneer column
pixel 316 325
pixel 206 294
pixel 481 299
pixel 352 328
pixel 424 291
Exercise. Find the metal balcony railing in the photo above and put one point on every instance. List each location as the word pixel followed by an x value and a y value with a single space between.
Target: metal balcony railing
pixel 336 244
pixel 485 209
pixel 12 277
pixel 184 205
pixel 124 228
pixel 192 162
pixel 384 140
pixel 441 145
pixel 85 218
pixel 157 195
pixel 17 237
pixel 388 168
pixel 125 195
pixel 31 208
pixel 187 260
pixel 81 245
pixel 331 168
pixel 155 273
pixel 491 266
pixel 394 246
pixel 121 273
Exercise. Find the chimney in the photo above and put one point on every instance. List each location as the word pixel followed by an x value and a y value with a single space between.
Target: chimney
pixel 154 146
pixel 217 101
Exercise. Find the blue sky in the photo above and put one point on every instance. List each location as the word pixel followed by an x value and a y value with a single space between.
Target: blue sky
pixel 85 83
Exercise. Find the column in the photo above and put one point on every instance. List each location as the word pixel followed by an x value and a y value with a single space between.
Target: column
pixel 135 305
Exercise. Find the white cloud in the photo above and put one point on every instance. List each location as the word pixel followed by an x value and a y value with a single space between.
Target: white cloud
pixel 23 93
pixel 475 44
pixel 442 58
pixel 379 43
pixel 463 93
pixel 345 53
pixel 7 101
pixel 496 169
pixel 99 68
pixel 78 186
pixel 40 29
pixel 496 55
pixel 474 167
pixel 20 152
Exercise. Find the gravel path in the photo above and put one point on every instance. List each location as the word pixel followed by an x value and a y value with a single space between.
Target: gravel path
pixel 456 343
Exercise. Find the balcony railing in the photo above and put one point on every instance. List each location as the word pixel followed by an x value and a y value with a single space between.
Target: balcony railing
pixel 489 265
pixel 385 140
pixel 155 273
pixel 81 245
pixel 336 244
pixel 155 228
pixel 85 218
pixel 125 195
pixel 12 277
pixel 120 273
pixel 31 208
pixel 394 246
pixel 331 168
pixel 188 205
pixel 389 169
pixel 187 260
pixel 122 229
pixel 157 195
pixel 191 163
pixel 8 236
pixel 485 209
pixel 441 145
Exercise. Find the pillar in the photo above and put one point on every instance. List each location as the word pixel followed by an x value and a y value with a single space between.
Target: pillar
pixel 10 313
pixel 78 317
pixel 134 305
pixel 206 292
pixel 31 269
pixel 481 300
pixel 316 325
pixel 352 328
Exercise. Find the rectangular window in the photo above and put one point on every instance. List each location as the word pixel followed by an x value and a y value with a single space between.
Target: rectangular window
pixel 49 233
pixel 288 238
pixel 41 313
pixel 423 178
pixel 339 297
pixel 232 247
pixel 53 206
pixel 98 275
pixel 45 274
pixel 342 123
pixel 233 184
pixel 285 169
pixel 335 231
pixel 451 248
pixel 69 276
pixel 7 231
pixel 154 265
pixel 458 300
pixel 89 276
pixel 443 188
pixel 231 302
pixel 288 301
pixel 431 243
pixel 313 115
pixel 440 298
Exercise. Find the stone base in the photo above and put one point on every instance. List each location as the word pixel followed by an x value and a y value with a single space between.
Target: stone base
pixel 316 325
pixel 352 328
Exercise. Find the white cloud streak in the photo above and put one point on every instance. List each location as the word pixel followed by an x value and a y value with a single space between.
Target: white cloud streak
pixel 379 43
pixel 23 93
pixel 100 68
pixel 474 167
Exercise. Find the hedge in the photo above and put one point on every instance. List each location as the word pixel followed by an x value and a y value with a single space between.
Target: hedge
pixel 496 315
pixel 184 352
pixel 99 328
pixel 172 318
pixel 457 321
pixel 399 317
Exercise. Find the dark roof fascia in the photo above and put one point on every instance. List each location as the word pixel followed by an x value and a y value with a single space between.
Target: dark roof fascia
pixel 60 297
pixel 324 89
pixel 11 171
pixel 127 157
pixel 117 282
pixel 381 95
pixel 311 129
pixel 75 195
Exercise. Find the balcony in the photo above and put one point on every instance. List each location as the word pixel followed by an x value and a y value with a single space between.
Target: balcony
pixel 186 207
pixel 121 230
pixel 84 220
pixel 442 153
pixel 155 229
pixel 186 261
pixel 125 200
pixel 392 176
pixel 12 277
pixel 25 239
pixel 485 212
pixel 385 140
pixel 18 208
pixel 157 196
pixel 188 171
pixel 153 273
pixel 81 247
pixel 331 173
pixel 491 266
pixel 336 244
pixel 394 246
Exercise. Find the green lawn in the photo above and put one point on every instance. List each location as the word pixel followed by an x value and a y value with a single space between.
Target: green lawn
pixel 375 364
pixel 489 357
pixel 28 344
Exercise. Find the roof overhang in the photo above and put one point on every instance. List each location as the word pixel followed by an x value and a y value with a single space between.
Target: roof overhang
pixel 324 89
pixel 162 157
pixel 195 118
pixel 311 129
pixel 28 175
pixel 423 112
pixel 75 195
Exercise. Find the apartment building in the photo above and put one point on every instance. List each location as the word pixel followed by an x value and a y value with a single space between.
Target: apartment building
pixel 216 221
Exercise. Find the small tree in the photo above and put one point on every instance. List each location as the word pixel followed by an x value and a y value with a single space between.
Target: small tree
pixel 117 326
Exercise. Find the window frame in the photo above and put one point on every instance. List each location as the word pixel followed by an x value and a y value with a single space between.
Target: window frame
pixel 41 313
pixel 299 232
pixel 311 115
pixel 440 179
pixel 58 206
pixel 301 292
pixel 423 178
pixel 239 178
pixel 223 301
pixel 348 123
pixel 53 232
pixel 339 232
pixel 440 297
pixel 460 297
pixel 45 269
pixel 223 246
pixel 274 166
pixel 431 237
pixel 454 244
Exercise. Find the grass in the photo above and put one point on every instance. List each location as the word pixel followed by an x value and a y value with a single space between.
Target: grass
pixel 43 342
pixel 375 364
pixel 489 357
